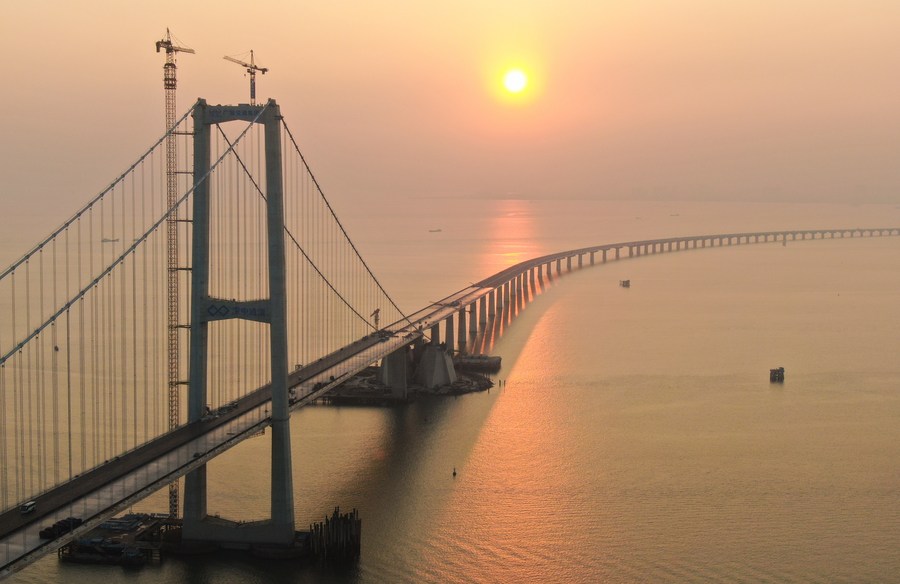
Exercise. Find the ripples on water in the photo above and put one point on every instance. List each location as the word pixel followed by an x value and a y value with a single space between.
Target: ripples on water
pixel 637 438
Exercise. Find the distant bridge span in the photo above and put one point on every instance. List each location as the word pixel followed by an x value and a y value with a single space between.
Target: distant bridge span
pixel 111 487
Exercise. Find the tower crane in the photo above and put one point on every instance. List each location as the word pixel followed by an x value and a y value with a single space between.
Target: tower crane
pixel 172 244
pixel 252 68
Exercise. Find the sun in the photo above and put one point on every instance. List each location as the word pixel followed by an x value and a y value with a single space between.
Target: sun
pixel 515 81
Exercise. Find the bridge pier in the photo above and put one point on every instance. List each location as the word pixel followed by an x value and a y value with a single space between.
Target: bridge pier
pixel 394 373
pixel 482 314
pixel 435 367
pixel 517 290
pixel 449 338
pixel 461 331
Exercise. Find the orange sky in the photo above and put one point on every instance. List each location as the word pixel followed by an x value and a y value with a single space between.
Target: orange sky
pixel 631 99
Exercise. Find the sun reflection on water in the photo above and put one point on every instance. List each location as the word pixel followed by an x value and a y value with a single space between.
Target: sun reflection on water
pixel 511 236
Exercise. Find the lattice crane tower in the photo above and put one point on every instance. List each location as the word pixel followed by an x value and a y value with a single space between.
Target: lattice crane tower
pixel 172 292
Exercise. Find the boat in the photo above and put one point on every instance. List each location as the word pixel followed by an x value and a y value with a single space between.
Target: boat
pixel 488 363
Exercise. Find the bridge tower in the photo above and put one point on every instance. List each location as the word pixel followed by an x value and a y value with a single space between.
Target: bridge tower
pixel 279 528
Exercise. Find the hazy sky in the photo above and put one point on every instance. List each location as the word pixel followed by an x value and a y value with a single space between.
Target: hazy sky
pixel 629 99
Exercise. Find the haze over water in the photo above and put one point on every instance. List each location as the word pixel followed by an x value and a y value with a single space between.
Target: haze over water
pixel 636 437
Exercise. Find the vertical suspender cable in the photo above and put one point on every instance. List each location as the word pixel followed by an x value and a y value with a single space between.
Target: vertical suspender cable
pixel 54 371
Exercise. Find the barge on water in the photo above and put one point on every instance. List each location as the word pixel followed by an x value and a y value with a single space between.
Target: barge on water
pixel 486 363
pixel 131 540
pixel 776 375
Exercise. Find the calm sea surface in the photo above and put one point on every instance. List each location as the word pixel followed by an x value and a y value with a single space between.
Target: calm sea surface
pixel 636 437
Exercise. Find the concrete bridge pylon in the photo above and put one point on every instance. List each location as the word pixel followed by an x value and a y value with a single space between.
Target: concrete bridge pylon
pixel 278 530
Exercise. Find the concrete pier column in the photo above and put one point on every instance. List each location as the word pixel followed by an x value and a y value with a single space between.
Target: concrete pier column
pixel 461 331
pixel 394 373
pixel 580 261
pixel 603 257
pixel 473 319
pixel 592 257
pixel 492 304
pixel 618 249
pixel 449 334
pixel 540 271
pixel 482 313
pixel 531 281
pixel 520 292
pixel 436 333
pixel 559 267
pixel 195 482
pixel 282 503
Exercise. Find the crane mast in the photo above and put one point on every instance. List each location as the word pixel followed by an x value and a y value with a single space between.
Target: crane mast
pixel 252 68
pixel 172 291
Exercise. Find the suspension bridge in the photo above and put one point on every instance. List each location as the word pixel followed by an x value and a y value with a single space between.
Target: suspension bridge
pixel 280 309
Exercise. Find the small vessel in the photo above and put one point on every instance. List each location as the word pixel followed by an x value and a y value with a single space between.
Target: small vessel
pixel 109 240
pixel 435 230
pixel 776 375
pixel 625 283
pixel 478 362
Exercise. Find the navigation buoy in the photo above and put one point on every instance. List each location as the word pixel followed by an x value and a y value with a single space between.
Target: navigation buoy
pixel 454 472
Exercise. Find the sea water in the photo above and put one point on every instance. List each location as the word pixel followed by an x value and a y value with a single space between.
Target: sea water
pixel 635 436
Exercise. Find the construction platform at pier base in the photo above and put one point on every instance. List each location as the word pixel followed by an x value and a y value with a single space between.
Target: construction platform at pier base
pixel 364 388
pixel 137 539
